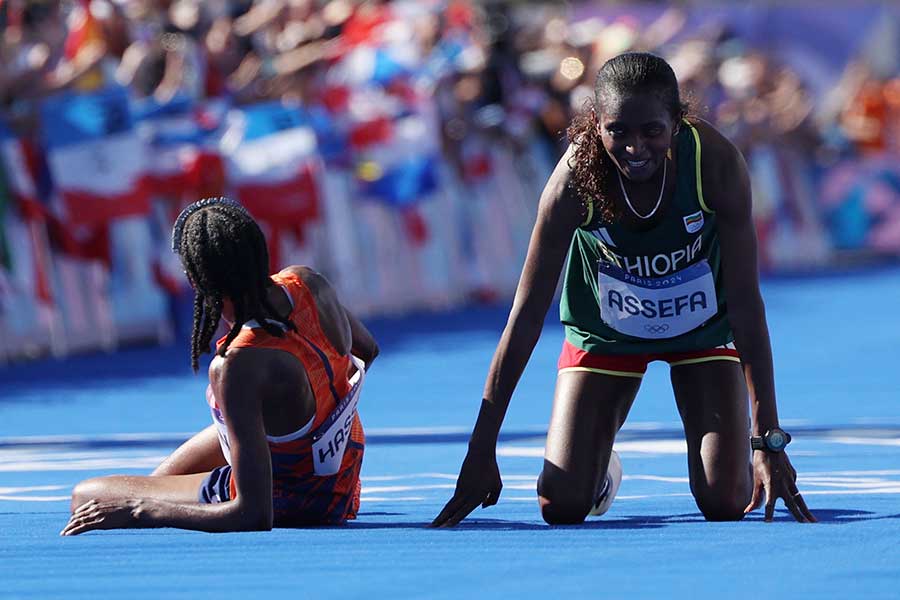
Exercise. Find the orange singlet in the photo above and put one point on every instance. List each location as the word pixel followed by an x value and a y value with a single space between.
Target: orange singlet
pixel 300 496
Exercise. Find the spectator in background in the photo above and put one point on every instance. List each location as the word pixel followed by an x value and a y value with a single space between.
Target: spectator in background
pixel 866 118
pixel 32 50
pixel 892 96
pixel 491 80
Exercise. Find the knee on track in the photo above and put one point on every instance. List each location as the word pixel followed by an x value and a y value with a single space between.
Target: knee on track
pixel 562 506
pixel 563 512
pixel 721 507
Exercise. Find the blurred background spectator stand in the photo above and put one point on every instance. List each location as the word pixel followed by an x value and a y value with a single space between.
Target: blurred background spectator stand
pixel 398 147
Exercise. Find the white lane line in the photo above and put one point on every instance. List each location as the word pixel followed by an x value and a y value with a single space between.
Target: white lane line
pixel 895 489
pixel 656 478
pixel 95 464
pixel 862 441
pixel 873 473
pixel 144 438
pixel 13 493
pixel 35 498
pixel 31 488
pixel 861 429
pixel 618 497
pixel 405 488
pixel 393 499
pixel 448 476
pixel 850 485
pixel 642 447
pixel 845 486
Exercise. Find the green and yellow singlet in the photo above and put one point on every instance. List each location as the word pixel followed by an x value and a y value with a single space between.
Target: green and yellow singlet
pixel 657 290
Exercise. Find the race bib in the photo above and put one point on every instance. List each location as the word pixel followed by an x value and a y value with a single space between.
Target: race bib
pixel 657 307
pixel 330 439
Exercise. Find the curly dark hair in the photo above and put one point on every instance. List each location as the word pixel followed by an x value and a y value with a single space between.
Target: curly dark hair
pixel 224 254
pixel 627 73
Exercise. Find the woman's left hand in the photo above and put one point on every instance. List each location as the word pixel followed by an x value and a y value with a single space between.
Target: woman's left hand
pixel 118 514
pixel 774 475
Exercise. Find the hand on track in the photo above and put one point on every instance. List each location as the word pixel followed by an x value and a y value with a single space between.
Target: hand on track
pixel 479 483
pixel 774 475
pixel 94 514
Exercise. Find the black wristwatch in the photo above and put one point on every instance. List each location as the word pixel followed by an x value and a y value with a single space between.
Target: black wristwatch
pixel 774 440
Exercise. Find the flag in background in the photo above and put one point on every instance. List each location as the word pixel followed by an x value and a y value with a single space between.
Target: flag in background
pixel 206 172
pixel 27 176
pixel 183 165
pixel 173 136
pixel 401 171
pixel 365 24
pixel 272 164
pixel 331 138
pixel 22 169
pixel 95 157
pixel 5 256
pixel 395 151
pixel 400 167
pixel 402 183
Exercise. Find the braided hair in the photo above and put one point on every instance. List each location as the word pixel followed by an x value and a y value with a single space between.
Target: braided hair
pixel 624 74
pixel 224 255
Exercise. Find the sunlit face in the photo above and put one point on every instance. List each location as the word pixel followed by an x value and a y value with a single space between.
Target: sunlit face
pixel 636 131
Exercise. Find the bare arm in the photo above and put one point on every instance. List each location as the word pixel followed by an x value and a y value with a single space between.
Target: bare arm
pixel 363 344
pixel 773 473
pixel 259 16
pixel 737 238
pixel 68 72
pixel 237 384
pixel 143 502
pixel 558 217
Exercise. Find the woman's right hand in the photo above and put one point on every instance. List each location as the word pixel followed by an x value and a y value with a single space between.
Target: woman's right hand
pixel 479 483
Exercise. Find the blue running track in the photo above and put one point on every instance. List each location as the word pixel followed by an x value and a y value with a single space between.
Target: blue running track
pixel 836 342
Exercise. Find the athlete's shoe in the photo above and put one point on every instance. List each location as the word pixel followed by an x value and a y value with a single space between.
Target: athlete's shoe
pixel 609 487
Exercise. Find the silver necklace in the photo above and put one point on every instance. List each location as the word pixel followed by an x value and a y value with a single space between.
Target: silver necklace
pixel 658 200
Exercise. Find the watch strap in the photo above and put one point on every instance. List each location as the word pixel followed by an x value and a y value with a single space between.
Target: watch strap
pixel 758 442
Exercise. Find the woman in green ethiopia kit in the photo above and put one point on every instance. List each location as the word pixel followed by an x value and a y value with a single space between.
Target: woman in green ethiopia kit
pixel 650 211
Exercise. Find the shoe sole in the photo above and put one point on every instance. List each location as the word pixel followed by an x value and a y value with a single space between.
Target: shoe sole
pixel 614 478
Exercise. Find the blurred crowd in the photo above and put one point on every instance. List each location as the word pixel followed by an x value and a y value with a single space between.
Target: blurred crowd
pixel 495 85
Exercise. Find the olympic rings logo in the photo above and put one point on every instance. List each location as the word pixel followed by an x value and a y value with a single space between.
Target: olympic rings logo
pixel 657 329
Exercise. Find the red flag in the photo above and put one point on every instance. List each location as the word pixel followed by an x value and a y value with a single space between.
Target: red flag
pixel 416 227
pixel 372 132
pixel 360 28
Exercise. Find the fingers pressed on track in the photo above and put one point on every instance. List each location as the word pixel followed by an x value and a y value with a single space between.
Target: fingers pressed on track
pixel 449 509
pixel 78 525
pixel 804 509
pixel 462 513
pixel 791 503
pixel 770 505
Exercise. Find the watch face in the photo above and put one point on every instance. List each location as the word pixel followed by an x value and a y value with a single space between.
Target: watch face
pixel 775 440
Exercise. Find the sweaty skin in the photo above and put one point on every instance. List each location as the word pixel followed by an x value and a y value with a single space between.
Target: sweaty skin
pixel 260 392
pixel 589 408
